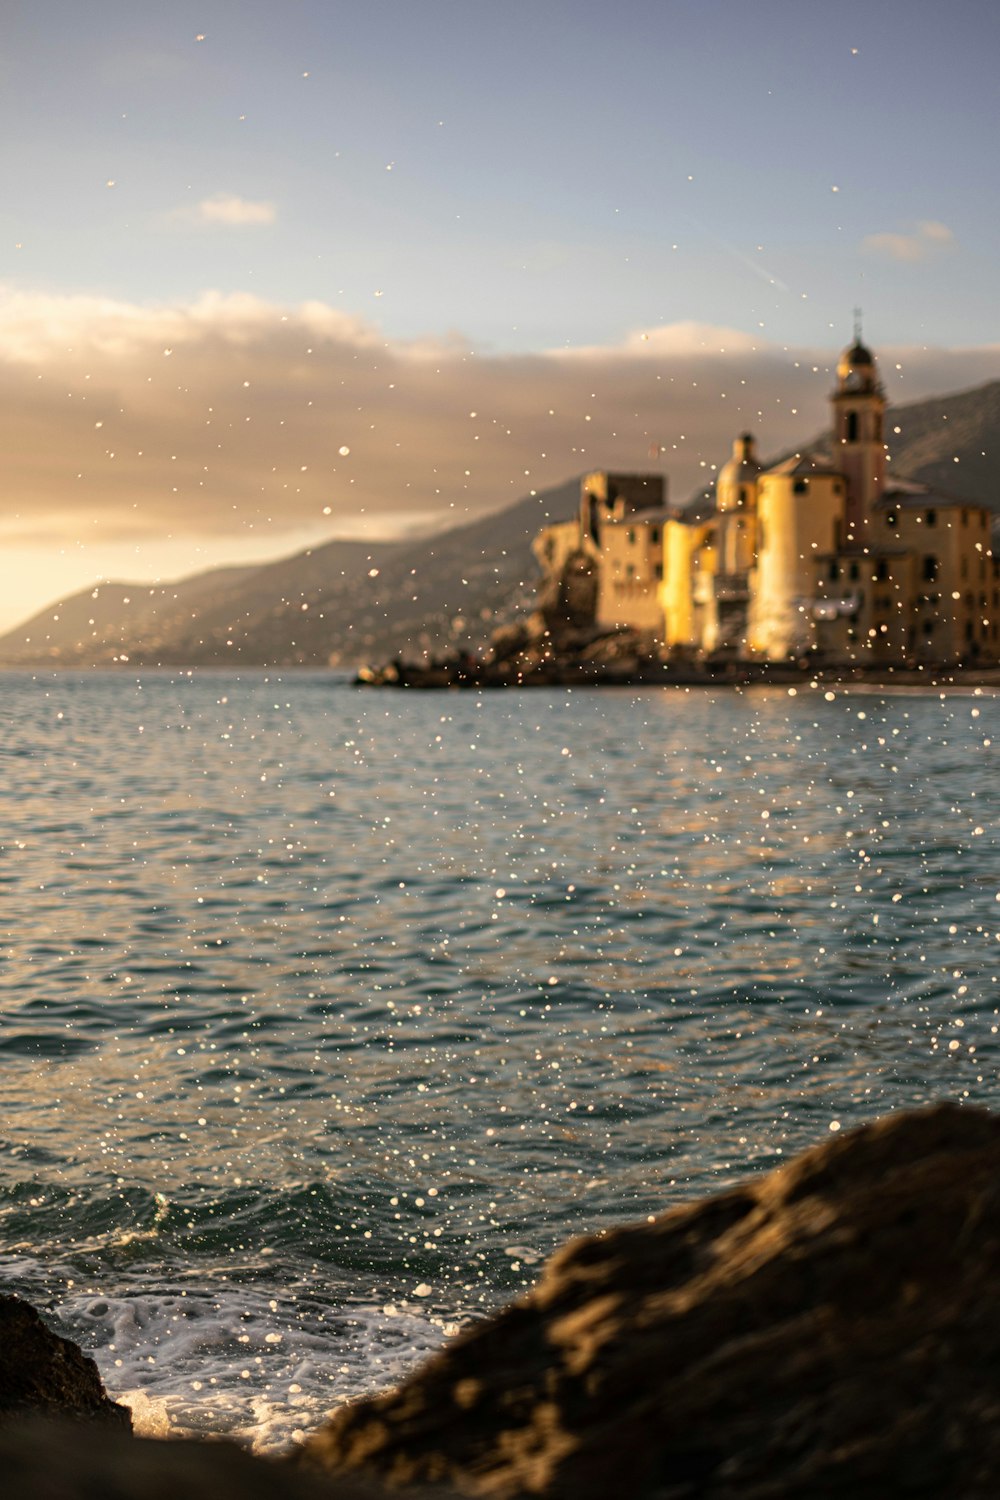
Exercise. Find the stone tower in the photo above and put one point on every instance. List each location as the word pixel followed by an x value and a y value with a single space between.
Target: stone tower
pixel 858 442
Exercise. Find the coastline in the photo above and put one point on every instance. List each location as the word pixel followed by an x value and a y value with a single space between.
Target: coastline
pixel 459 673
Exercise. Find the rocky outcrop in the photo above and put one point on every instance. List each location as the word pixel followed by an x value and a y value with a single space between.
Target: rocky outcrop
pixel 832 1328
pixel 45 1461
pixel 44 1374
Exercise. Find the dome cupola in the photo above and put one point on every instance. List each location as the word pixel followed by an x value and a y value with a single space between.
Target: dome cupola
pixel 856 369
pixel 857 372
pixel 736 486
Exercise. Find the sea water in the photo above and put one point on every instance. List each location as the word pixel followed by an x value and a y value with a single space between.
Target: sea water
pixel 328 1013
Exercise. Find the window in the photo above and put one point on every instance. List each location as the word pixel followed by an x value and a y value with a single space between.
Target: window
pixel 881 570
pixel 801 486
pixel 852 426
pixel 657 570
pixel 891 518
pixel 833 572
pixel 631 536
pixel 931 518
pixel 930 569
pixel 853 573
pixel 654 535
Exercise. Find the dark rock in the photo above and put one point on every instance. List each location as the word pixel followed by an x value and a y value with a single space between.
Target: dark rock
pixel 42 1372
pixel 46 1461
pixel 832 1328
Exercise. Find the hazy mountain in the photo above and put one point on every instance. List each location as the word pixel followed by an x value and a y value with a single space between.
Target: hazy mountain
pixel 345 601
pixel 352 601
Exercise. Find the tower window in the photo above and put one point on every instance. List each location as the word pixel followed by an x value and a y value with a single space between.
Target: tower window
pixel 852 426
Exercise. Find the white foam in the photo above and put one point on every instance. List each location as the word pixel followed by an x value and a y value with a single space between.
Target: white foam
pixel 264 1368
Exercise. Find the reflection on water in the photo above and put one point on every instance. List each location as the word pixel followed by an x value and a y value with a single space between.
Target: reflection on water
pixel 298 977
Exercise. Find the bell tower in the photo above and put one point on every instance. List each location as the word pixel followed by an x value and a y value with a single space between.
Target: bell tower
pixel 858 443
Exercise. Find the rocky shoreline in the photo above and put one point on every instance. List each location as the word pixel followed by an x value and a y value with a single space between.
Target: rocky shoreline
pixel 540 654
pixel 829 1329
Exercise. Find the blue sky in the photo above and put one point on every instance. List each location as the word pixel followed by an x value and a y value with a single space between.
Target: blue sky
pixel 462 182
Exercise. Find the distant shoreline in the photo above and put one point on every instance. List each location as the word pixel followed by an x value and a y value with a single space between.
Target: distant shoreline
pixel 471 677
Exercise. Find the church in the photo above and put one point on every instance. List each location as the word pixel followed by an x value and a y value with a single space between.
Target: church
pixel 808 560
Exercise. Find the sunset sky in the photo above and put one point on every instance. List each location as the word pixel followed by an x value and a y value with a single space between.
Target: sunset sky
pixel 271 273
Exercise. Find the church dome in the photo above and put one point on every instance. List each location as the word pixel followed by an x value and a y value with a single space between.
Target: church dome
pixel 734 486
pixel 856 369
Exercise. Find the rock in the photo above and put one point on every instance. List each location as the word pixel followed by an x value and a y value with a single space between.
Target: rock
pixel 46 1461
pixel 831 1328
pixel 43 1373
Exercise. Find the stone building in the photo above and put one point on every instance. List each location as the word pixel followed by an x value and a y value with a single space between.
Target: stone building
pixel 828 560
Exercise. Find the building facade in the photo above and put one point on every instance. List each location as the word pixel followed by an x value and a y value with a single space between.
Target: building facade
pixel 808 559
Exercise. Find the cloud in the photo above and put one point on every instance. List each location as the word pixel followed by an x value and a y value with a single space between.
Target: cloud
pixel 226 420
pixel 229 210
pixel 928 238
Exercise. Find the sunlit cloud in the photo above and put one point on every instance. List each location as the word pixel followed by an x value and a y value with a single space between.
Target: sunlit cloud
pixel 228 210
pixel 233 420
pixel 928 238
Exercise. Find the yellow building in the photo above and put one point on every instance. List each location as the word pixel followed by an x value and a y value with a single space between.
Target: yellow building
pixel 806 560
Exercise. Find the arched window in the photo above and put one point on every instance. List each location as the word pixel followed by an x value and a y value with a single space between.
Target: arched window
pixel 852 426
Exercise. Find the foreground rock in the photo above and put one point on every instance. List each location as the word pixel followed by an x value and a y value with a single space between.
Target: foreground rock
pixel 45 1374
pixel 42 1461
pixel 832 1328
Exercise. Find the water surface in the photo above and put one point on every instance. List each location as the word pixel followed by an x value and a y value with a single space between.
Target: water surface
pixel 328 1013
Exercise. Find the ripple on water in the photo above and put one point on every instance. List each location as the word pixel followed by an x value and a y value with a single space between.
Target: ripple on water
pixel 259 1038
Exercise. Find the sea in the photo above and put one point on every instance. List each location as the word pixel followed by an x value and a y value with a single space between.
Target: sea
pixel 329 1012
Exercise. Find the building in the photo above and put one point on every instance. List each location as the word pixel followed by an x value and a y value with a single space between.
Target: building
pixel 823 560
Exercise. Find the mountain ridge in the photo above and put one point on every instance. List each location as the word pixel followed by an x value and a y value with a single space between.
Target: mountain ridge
pixel 347 601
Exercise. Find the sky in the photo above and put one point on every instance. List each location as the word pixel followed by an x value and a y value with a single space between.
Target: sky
pixel 273 273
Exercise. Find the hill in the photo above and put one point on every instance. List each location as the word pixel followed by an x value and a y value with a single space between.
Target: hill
pixel 345 601
pixel 352 601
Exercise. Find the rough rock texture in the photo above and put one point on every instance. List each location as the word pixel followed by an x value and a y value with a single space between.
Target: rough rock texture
pixel 41 1372
pixel 44 1461
pixel 832 1328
